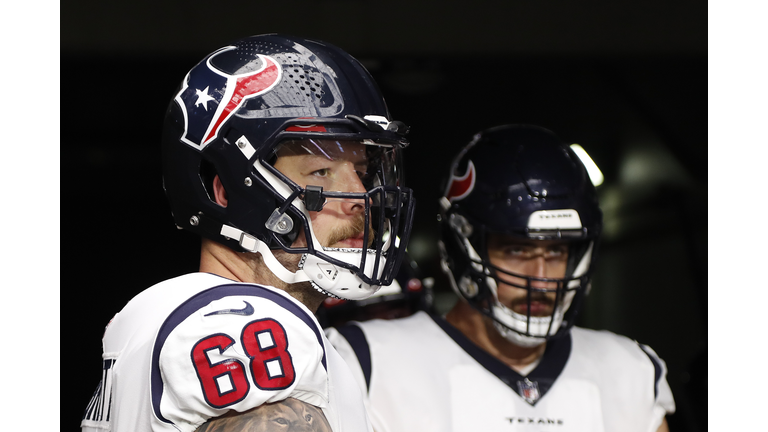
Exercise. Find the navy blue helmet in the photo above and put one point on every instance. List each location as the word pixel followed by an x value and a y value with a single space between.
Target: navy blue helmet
pixel 247 103
pixel 519 182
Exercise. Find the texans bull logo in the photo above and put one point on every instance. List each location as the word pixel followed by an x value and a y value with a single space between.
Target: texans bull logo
pixel 209 96
pixel 460 187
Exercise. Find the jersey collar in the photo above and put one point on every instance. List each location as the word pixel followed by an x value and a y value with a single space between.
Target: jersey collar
pixel 531 387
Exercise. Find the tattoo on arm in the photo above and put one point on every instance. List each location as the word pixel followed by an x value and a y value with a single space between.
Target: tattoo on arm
pixel 284 416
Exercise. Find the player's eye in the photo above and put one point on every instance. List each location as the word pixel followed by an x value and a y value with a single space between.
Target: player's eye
pixel 323 172
pixel 281 421
pixel 518 251
pixel 556 252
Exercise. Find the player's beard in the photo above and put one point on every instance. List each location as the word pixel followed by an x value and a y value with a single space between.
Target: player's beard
pixel 301 291
pixel 263 274
pixel 546 304
pixel 351 230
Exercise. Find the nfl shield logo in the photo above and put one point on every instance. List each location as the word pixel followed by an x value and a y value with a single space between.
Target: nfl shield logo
pixel 529 390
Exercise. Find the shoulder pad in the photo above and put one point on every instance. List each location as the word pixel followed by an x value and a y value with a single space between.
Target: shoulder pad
pixel 235 346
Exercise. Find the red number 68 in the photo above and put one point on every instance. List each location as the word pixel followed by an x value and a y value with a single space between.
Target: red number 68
pixel 225 383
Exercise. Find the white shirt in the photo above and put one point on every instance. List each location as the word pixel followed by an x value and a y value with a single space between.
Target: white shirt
pixel 421 374
pixel 197 346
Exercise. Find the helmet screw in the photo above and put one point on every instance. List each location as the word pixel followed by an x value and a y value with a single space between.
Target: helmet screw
pixel 194 220
pixel 248 181
pixel 282 225
pixel 241 143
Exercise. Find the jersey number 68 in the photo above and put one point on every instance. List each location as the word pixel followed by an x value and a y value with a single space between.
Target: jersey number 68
pixel 225 383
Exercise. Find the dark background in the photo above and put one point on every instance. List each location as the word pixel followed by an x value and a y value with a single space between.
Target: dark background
pixel 628 82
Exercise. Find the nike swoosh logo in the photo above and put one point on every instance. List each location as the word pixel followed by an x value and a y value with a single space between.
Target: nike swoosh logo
pixel 247 310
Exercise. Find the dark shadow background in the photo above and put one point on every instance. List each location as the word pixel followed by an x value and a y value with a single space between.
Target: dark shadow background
pixel 626 81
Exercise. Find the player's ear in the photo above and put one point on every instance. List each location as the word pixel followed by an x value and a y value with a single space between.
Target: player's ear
pixel 219 193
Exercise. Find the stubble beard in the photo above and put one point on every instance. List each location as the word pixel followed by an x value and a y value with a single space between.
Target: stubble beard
pixel 301 291
pixel 350 230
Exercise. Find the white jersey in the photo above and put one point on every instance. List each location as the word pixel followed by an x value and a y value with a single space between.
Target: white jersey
pixel 197 346
pixel 422 374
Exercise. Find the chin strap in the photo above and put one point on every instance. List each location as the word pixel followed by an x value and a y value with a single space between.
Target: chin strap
pixel 252 244
pixel 517 338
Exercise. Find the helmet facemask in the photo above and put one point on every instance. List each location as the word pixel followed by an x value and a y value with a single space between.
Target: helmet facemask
pixel 549 304
pixel 341 207
pixel 557 294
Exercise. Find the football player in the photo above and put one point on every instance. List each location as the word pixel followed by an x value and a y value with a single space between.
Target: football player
pixel 520 224
pixel 281 154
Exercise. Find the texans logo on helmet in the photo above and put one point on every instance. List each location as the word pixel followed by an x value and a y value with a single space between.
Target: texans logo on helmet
pixel 210 97
pixel 460 187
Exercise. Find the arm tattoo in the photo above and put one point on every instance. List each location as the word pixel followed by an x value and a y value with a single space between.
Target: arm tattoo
pixel 284 416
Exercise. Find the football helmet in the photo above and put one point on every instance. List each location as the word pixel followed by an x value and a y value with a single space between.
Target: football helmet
pixel 519 182
pixel 262 98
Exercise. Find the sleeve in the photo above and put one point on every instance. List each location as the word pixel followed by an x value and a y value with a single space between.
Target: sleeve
pixel 664 403
pixel 97 413
pixel 234 347
pixel 351 344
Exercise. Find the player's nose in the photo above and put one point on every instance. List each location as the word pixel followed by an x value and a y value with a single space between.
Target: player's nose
pixel 351 183
pixel 302 428
pixel 537 267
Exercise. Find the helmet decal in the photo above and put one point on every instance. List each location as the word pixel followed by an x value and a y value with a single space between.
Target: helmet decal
pixel 460 187
pixel 306 128
pixel 229 94
pixel 555 219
